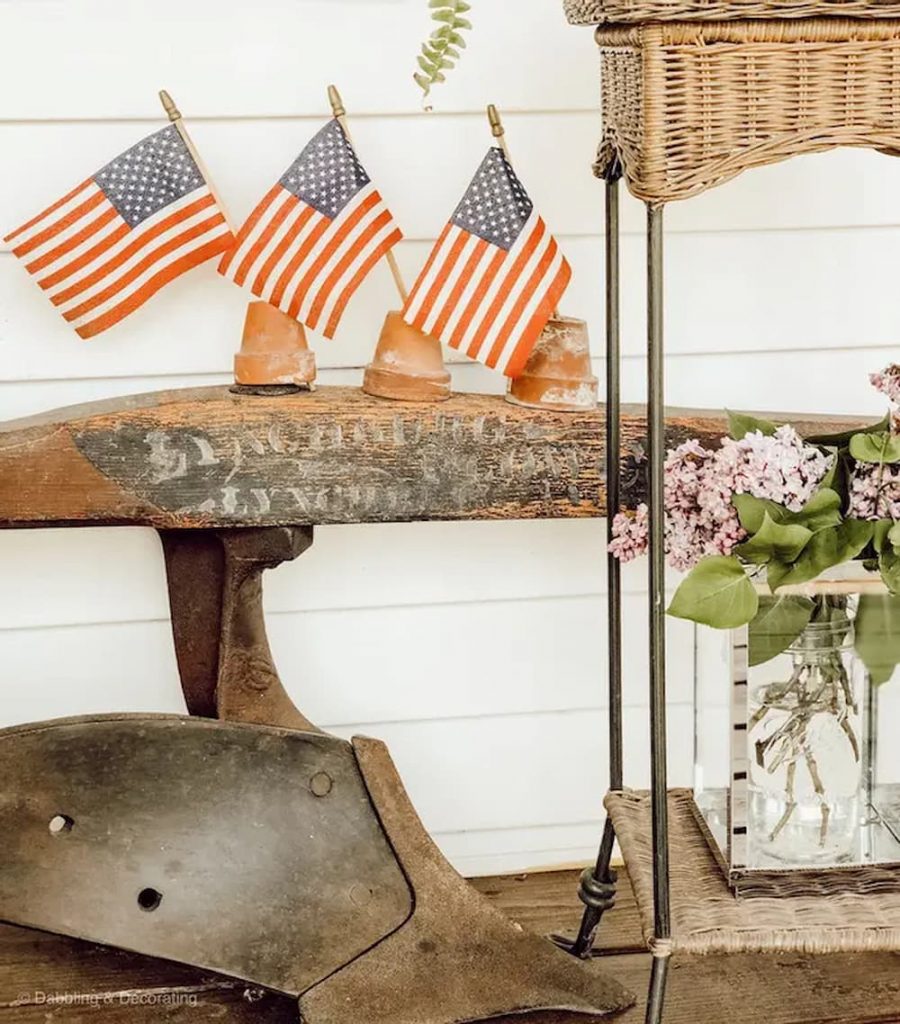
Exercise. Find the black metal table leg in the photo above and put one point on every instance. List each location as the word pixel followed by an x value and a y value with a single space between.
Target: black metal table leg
pixel 657 582
pixel 598 884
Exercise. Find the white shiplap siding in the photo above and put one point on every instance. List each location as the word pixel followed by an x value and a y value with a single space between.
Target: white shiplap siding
pixel 477 650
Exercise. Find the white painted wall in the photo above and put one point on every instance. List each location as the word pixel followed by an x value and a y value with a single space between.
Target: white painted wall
pixel 476 650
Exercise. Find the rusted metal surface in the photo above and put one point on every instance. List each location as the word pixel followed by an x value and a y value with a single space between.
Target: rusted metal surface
pixel 285 859
pixel 457 958
pixel 211 844
pixel 203 458
pixel 215 596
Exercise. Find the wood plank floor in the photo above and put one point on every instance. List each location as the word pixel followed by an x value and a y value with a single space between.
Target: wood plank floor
pixel 44 978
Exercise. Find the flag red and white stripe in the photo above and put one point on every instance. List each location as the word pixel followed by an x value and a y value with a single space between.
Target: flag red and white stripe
pixel 495 275
pixel 315 236
pixel 106 247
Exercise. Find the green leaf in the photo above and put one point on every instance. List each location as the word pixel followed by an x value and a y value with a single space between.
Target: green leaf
pixel 831 546
pixel 881 535
pixel 426 66
pixel 889 567
pixel 716 593
pixel 877 448
pixel 823 509
pixel 740 425
pixel 894 536
pixel 780 620
pixel 462 23
pixel 842 439
pixel 751 511
pixel 877 629
pixel 774 540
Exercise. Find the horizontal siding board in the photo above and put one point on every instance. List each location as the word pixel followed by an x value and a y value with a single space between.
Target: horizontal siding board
pixel 760 301
pixel 276 57
pixel 116 575
pixel 542 769
pixel 422 175
pixel 357 667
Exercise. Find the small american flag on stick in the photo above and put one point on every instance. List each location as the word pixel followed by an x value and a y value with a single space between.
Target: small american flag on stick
pixel 495 275
pixel 315 235
pixel 111 243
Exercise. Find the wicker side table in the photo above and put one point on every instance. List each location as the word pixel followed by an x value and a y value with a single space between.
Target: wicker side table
pixel 694 92
pixel 687 106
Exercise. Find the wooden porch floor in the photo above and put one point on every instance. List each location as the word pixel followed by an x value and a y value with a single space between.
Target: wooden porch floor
pixel 107 986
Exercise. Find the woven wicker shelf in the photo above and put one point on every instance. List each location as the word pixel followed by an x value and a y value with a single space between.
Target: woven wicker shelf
pixel 629 12
pixel 686 106
pixel 708 918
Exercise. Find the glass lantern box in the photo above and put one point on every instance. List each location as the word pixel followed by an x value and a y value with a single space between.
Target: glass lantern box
pixel 797 738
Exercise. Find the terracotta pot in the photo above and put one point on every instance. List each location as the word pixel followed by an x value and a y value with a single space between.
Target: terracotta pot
pixel 408 365
pixel 273 351
pixel 558 372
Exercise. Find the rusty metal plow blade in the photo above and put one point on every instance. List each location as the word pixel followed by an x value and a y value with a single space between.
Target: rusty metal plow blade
pixel 290 860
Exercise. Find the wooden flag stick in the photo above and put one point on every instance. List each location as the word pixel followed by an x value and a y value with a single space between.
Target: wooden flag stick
pixel 174 115
pixel 340 114
pixel 499 133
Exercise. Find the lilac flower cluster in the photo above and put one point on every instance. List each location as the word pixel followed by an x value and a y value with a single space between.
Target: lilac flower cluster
pixel 874 489
pixel 701 519
pixel 887 381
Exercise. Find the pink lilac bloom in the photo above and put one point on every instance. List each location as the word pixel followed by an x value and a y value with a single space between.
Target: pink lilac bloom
pixel 701 519
pixel 630 534
pixel 887 381
pixel 875 491
pixel 780 468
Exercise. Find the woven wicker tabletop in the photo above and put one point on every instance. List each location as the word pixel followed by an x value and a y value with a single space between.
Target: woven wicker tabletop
pixel 628 12
pixel 706 916
pixel 689 105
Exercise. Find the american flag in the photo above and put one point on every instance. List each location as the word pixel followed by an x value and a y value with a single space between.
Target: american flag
pixel 315 235
pixel 112 242
pixel 495 275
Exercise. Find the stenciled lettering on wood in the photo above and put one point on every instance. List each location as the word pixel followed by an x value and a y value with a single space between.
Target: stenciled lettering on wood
pixel 338 469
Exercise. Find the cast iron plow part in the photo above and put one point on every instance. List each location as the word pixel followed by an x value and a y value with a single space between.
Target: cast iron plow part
pixel 249 851
pixel 290 860
pixel 215 596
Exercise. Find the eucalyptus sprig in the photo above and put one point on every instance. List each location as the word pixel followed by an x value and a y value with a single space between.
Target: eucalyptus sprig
pixel 442 49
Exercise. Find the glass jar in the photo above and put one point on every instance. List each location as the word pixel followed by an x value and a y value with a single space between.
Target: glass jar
pixel 804 736
pixel 796 757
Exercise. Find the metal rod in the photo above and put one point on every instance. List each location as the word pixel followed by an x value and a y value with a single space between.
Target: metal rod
pixel 613 477
pixel 597 890
pixel 656 997
pixel 656 427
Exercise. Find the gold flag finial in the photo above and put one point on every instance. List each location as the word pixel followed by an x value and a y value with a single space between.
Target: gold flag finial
pixel 497 129
pixel 174 114
pixel 337 104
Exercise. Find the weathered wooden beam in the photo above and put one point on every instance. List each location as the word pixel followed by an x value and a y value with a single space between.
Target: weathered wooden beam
pixel 200 458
